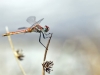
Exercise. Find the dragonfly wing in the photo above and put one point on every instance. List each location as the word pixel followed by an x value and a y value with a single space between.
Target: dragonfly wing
pixel 31 20
pixel 22 28
pixel 38 22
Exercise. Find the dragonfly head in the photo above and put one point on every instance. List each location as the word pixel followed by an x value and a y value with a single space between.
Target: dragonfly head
pixel 46 28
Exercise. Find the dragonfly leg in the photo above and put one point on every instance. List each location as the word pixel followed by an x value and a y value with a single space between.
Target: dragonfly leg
pixel 44 35
pixel 48 34
pixel 40 39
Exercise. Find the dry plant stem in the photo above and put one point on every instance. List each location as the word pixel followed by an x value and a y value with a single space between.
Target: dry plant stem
pixel 12 47
pixel 43 73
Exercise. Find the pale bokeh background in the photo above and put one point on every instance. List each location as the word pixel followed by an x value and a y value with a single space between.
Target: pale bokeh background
pixel 74 47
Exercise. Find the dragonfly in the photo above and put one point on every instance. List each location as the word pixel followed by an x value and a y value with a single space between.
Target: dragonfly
pixel 35 27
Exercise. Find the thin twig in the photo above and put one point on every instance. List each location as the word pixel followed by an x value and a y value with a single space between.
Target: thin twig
pixel 43 72
pixel 12 47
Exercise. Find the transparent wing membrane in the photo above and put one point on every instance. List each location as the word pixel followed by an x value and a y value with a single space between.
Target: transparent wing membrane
pixel 22 28
pixel 38 22
pixel 31 20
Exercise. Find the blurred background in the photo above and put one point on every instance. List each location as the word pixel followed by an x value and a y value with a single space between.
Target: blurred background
pixel 74 47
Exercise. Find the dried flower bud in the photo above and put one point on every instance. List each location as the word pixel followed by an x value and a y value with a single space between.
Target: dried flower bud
pixel 47 66
pixel 19 54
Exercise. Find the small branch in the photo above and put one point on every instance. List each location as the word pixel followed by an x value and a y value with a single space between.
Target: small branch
pixel 43 73
pixel 12 47
pixel 47 48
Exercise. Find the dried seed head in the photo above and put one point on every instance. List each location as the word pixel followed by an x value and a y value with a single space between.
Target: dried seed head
pixel 48 65
pixel 19 54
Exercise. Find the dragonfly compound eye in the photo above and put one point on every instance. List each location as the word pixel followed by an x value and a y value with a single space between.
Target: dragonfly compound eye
pixel 46 28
